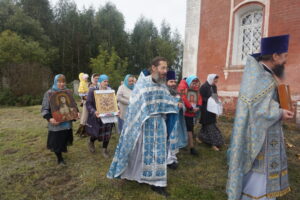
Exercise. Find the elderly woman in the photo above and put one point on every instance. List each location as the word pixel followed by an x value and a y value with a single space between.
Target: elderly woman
pixel 210 133
pixel 60 135
pixel 94 126
pixel 123 96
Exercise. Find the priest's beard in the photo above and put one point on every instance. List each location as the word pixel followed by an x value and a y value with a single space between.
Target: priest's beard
pixel 278 70
pixel 172 90
pixel 157 79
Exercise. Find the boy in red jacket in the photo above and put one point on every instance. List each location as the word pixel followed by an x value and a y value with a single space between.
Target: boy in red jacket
pixel 189 92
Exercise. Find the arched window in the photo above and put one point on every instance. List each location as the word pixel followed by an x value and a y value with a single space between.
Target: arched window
pixel 247 33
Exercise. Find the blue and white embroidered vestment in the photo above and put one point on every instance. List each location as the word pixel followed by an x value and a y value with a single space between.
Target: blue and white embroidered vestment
pixel 257 145
pixel 143 141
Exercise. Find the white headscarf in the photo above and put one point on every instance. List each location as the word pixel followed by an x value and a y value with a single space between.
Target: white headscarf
pixel 211 78
pixel 92 78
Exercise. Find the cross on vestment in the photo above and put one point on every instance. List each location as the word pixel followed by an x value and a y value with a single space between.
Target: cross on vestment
pixel 274 164
pixel 274 143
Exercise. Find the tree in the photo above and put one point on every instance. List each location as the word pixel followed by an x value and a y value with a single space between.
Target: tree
pixel 12 17
pixel 178 62
pixel 109 30
pixel 165 31
pixel 143 45
pixel 66 26
pixel 109 63
pixel 7 8
pixel 39 10
pixel 15 50
pixel 70 37
pixel 22 65
pixel 170 46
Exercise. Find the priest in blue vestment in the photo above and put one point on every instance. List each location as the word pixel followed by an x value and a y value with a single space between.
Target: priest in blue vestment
pixel 141 154
pixel 176 127
pixel 257 159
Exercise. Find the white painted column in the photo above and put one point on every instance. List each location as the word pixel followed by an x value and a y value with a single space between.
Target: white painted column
pixel 298 112
pixel 192 33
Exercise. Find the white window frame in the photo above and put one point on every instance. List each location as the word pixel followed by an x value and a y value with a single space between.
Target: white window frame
pixel 228 68
pixel 237 35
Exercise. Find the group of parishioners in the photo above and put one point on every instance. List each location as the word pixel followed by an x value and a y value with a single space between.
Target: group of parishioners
pixel 157 119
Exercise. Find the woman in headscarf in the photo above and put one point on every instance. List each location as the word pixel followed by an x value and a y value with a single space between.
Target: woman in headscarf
pixel 189 92
pixel 94 80
pixel 84 115
pixel 210 133
pixel 60 135
pixel 123 96
pixel 94 126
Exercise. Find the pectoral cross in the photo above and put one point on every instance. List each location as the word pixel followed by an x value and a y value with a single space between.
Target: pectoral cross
pixel 274 143
pixel 274 164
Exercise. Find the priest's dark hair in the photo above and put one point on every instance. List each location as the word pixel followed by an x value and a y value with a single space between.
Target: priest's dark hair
pixel 156 60
pixel 265 58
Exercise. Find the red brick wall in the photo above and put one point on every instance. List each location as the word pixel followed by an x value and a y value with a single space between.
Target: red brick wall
pixel 236 2
pixel 285 19
pixel 213 38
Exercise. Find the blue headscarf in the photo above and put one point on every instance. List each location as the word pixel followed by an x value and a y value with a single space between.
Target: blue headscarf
pixel 54 86
pixel 190 79
pixel 103 77
pixel 126 81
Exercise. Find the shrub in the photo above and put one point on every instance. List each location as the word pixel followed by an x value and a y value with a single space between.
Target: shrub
pixel 7 97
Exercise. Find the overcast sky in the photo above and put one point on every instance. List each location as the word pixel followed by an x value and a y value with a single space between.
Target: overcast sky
pixel 173 11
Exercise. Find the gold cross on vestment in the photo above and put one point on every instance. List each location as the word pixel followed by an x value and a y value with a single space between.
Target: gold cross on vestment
pixel 274 143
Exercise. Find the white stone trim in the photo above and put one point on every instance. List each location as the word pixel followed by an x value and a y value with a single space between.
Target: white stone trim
pixel 192 36
pixel 229 35
pixel 266 3
pixel 226 71
pixel 228 93
pixel 235 58
pixel 233 8
pixel 295 97
pixel 224 93
pixel 298 112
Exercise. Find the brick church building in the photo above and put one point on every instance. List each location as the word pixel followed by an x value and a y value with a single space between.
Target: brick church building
pixel 221 33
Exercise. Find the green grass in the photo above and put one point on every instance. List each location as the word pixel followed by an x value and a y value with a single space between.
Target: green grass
pixel 29 171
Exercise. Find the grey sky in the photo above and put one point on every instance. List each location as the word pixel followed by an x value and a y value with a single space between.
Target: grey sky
pixel 173 11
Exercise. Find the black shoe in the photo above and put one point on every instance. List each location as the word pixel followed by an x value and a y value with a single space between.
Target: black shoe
pixel 194 152
pixel 160 190
pixel 173 166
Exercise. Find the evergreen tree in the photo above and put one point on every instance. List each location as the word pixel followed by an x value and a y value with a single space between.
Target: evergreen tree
pixel 109 63
pixel 109 30
pixel 15 50
pixel 143 45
